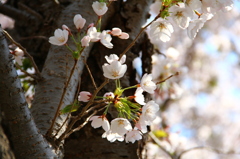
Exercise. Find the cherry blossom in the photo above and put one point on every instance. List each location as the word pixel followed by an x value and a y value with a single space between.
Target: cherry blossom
pixel 149 111
pixel 93 34
pixel 142 125
pixel 100 121
pixel 99 8
pixel 105 39
pixel 112 136
pixel 60 37
pixel 196 25
pixel 138 96
pixel 182 15
pixel 114 57
pixel 120 126
pixel 147 84
pixel 78 21
pixel 84 96
pixel 160 31
pixel 133 136
pixel 155 7
pixel 114 70
pixel 194 4
pixel 18 55
pixel 118 32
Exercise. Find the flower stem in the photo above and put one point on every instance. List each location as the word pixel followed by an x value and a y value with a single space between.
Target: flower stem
pixel 39 77
pixel 130 87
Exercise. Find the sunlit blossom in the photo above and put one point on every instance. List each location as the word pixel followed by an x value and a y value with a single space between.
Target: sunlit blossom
pixel 149 111
pixel 114 70
pixel 147 84
pixel 100 121
pixel 112 136
pixel 79 21
pixel 120 126
pixel 106 39
pixel 99 8
pixel 114 57
pixel 139 97
pixel 133 136
pixel 60 37
pixel 160 31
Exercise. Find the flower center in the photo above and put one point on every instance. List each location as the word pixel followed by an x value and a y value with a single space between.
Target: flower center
pixel 61 39
pixel 179 14
pixel 162 26
pixel 120 122
pixel 115 74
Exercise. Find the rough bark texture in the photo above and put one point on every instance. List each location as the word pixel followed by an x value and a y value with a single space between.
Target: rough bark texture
pixel 129 16
pixel 5 148
pixel 28 142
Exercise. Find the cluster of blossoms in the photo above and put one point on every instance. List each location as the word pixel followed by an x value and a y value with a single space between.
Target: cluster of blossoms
pixel 163 66
pixel 93 34
pixel 187 14
pixel 131 108
pixel 141 113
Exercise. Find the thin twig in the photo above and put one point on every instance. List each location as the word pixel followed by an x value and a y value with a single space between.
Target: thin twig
pixel 25 53
pixel 84 123
pixel 63 136
pixel 65 121
pixel 95 107
pixel 155 139
pixel 133 42
pixel 177 73
pixel 25 72
pixel 89 71
pixel 81 126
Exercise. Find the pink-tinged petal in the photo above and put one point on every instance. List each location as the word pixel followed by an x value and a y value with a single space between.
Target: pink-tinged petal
pixel 124 35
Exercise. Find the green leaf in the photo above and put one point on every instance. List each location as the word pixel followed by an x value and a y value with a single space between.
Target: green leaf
pixel 26 64
pixel 70 108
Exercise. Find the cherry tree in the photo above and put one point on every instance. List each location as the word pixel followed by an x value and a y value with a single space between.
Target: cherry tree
pixel 99 76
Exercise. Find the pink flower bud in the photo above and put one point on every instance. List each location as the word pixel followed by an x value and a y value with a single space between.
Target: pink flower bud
pixel 64 27
pixel 84 96
pixel 79 22
pixel 124 35
pixel 91 25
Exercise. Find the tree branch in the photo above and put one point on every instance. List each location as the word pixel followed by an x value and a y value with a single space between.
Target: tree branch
pixel 22 17
pixel 27 141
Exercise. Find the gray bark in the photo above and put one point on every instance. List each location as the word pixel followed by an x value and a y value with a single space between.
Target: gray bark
pixel 28 142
